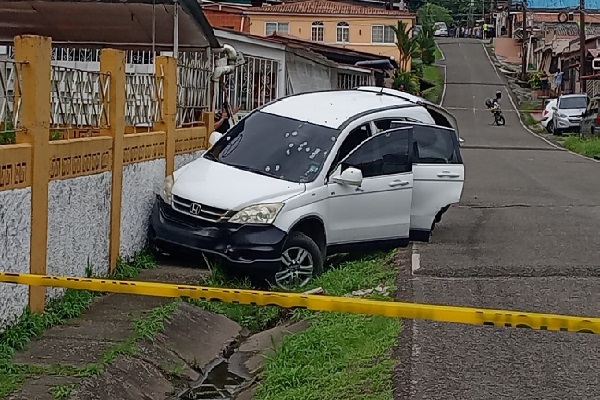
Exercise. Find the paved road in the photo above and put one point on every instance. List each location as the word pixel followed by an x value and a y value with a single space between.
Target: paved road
pixel 525 236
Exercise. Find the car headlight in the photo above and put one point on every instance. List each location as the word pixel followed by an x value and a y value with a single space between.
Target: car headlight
pixel 167 188
pixel 257 214
pixel 561 115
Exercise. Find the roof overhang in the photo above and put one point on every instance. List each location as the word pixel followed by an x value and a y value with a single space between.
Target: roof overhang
pixel 102 23
pixel 227 34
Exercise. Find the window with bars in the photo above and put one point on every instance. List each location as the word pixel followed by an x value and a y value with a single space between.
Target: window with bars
pixel 343 32
pixel 317 31
pixel 272 27
pixel 383 34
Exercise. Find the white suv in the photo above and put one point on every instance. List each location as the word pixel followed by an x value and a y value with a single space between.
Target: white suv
pixel 313 174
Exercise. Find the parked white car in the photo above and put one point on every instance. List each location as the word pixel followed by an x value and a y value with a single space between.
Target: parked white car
pixel 440 29
pixel 548 115
pixel 313 174
pixel 567 112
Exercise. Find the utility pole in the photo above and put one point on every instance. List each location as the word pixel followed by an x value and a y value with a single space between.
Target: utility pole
pixel 176 29
pixel 582 47
pixel 524 48
pixel 509 28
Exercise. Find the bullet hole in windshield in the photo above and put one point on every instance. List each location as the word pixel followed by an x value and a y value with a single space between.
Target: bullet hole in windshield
pixel 277 167
pixel 288 152
pixel 267 168
pixel 295 133
pixel 291 145
pixel 308 149
pixel 333 138
pixel 287 134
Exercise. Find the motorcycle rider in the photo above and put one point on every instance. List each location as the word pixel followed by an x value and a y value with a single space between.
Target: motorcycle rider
pixel 496 100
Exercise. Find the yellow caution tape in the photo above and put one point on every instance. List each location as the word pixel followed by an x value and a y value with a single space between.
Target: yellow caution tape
pixel 465 315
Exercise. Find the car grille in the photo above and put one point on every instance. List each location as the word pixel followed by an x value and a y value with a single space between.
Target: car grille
pixel 200 211
pixel 575 120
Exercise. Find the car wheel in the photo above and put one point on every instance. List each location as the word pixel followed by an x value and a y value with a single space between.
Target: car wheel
pixel 550 127
pixel 301 260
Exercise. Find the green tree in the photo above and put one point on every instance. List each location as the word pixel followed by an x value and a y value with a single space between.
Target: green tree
pixel 426 43
pixel 407 46
pixel 430 13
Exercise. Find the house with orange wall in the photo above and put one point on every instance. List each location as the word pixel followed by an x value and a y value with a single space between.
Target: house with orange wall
pixel 357 27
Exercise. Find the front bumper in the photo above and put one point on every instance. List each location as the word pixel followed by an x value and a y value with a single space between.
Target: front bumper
pixel 567 123
pixel 255 246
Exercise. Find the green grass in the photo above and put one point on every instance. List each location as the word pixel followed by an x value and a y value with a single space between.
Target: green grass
pixel 31 325
pixel 587 147
pixel 254 318
pixel 434 75
pixel 438 53
pixel 340 356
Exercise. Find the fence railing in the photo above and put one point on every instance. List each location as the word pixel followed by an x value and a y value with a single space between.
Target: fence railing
pixel 10 100
pixel 79 99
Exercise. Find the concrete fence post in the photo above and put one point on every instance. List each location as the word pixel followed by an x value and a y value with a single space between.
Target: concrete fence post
pixel 34 53
pixel 112 65
pixel 167 68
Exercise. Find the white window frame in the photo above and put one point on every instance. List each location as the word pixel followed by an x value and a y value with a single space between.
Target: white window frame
pixel 342 29
pixel 277 27
pixel 317 31
pixel 385 29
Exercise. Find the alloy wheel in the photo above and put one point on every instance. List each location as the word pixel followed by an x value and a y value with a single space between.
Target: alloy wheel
pixel 297 267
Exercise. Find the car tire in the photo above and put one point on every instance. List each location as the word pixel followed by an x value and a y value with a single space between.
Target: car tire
pixel 301 260
pixel 550 127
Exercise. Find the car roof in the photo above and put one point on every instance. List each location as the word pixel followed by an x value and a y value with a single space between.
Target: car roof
pixel 332 108
pixel 574 95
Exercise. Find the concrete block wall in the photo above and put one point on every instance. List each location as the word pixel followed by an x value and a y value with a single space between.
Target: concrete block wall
pixel 15 230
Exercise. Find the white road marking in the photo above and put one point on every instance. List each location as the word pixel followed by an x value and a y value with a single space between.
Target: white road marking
pixel 415 261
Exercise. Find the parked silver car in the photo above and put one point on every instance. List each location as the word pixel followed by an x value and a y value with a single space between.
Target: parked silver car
pixel 567 113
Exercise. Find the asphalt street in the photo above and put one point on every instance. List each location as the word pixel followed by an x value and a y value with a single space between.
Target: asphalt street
pixel 525 236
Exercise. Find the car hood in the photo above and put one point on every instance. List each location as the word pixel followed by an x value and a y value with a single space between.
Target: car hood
pixel 222 186
pixel 572 112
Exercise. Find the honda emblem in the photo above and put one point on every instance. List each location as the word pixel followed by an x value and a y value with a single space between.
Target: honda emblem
pixel 195 209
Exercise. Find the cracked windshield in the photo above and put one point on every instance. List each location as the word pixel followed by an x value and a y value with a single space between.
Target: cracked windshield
pixel 276 146
pixel 299 200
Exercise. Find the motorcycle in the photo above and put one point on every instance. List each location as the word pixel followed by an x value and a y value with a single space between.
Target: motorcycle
pixel 494 107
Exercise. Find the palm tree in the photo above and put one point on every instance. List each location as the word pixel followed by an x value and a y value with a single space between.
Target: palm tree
pixel 407 46
pixel 426 43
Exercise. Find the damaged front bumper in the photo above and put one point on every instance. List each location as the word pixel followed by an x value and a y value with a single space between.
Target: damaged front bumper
pixel 245 246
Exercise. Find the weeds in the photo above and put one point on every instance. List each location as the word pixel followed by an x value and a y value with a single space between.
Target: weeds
pixel 60 392
pixel 254 318
pixel 31 325
pixel 588 147
pixel 340 355
pixel 432 73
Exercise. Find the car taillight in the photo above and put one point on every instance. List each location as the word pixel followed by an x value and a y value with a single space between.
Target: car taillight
pixel 544 113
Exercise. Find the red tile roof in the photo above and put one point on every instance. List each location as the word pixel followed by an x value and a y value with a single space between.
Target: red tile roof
pixel 320 7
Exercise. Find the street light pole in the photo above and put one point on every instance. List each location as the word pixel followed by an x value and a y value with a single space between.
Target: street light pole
pixel 176 30
pixel 524 48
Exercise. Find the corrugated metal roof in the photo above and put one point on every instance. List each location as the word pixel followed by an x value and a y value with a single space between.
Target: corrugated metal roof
pixel 102 23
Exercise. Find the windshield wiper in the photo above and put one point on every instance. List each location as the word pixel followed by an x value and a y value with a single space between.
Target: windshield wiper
pixel 256 171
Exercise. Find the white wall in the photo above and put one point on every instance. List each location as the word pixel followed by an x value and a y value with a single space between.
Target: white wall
pixel 78 226
pixel 15 230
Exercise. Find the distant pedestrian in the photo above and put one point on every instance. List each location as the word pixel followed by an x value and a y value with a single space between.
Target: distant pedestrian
pixel 485 30
pixel 558 77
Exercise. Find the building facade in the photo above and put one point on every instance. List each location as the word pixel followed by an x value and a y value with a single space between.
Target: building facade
pixel 356 27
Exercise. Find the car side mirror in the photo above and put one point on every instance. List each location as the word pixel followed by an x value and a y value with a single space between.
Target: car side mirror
pixel 554 109
pixel 351 176
pixel 214 138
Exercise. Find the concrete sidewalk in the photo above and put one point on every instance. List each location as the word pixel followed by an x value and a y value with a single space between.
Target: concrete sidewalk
pixel 102 356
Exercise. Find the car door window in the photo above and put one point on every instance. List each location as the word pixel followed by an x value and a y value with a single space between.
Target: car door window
pixel 433 144
pixel 386 153
pixel 352 141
